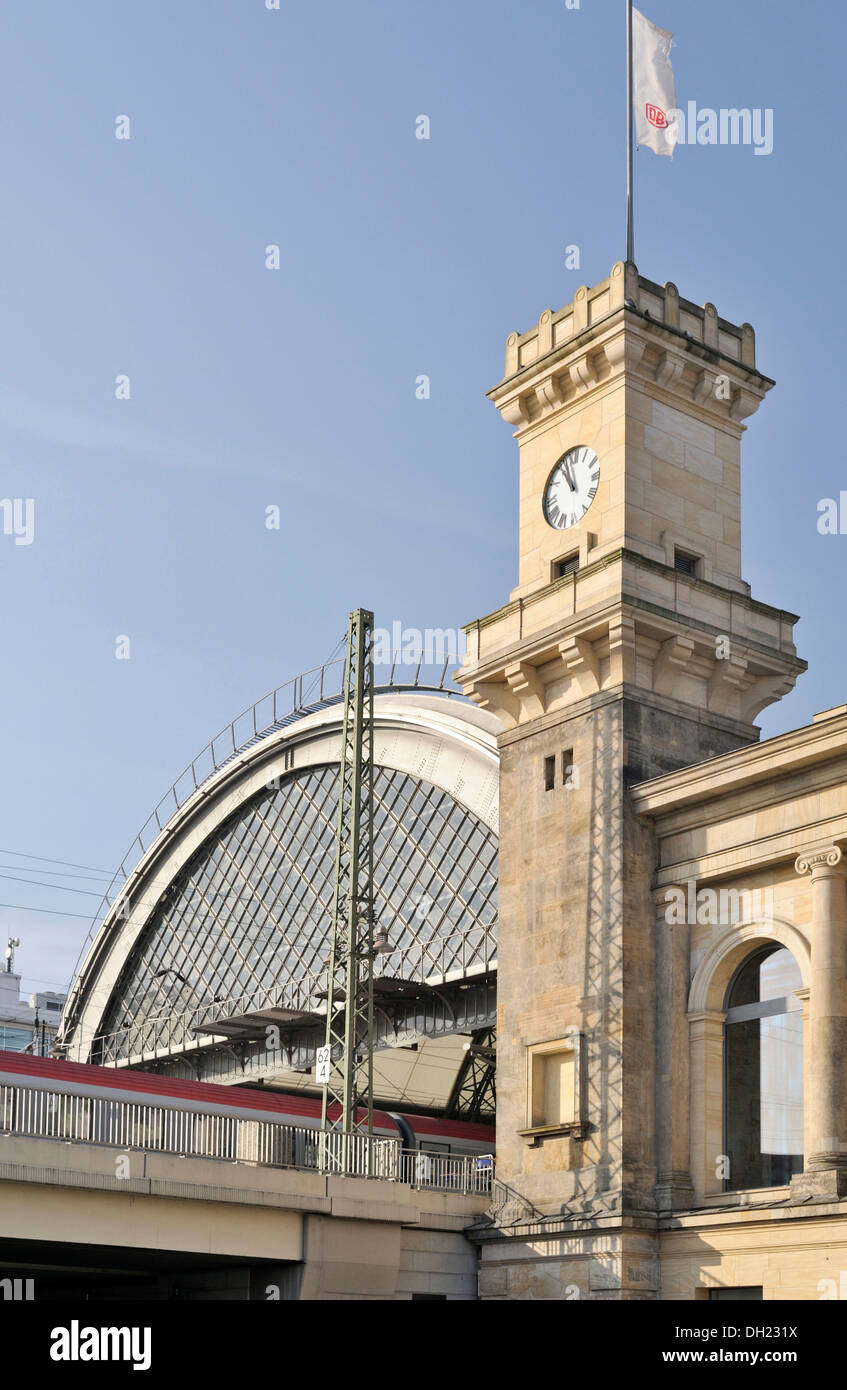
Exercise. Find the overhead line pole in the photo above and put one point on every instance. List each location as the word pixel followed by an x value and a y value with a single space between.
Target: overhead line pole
pixel 350 994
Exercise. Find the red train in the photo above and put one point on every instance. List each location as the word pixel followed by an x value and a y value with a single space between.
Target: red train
pixel 241 1102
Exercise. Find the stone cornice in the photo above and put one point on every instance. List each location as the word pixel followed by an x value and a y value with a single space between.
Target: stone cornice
pixel 749 1216
pixel 558 718
pixel 816 778
pixel 518 660
pixel 517 606
pixel 747 857
pixel 764 762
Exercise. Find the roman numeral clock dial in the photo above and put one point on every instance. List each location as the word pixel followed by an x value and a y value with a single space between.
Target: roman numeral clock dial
pixel 571 488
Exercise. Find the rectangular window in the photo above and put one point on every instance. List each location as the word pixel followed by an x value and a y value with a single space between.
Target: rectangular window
pixel 745 1293
pixel 568 778
pixel 554 1091
pixel 568 565
pixel 685 563
pixel 549 774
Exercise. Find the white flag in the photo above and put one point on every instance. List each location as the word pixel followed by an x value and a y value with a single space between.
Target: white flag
pixel 653 86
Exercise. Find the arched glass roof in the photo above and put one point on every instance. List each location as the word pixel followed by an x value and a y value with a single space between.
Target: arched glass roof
pixel 249 912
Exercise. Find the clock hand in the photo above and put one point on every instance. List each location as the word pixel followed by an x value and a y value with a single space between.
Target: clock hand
pixel 569 477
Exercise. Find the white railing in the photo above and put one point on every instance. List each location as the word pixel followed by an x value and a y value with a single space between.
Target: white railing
pixel 30 1112
pixel 463 1173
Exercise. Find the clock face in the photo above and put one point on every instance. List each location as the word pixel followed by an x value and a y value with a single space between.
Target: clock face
pixel 571 487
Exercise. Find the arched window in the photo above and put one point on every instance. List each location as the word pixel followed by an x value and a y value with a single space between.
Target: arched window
pixel 763 1064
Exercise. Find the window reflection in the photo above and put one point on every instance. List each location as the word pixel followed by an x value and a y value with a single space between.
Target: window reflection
pixel 764 1072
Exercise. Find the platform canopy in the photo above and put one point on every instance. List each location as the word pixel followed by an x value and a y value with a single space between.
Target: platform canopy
pixel 211 959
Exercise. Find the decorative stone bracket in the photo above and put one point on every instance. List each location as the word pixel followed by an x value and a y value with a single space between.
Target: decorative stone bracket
pixel 528 688
pixel 669 370
pixel 519 691
pixel 580 661
pixel 763 692
pixel 726 679
pixel 674 655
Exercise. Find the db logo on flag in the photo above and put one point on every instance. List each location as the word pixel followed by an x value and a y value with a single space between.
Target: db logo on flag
pixel 656 116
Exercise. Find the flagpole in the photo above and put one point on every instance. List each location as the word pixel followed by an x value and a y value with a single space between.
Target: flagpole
pixel 630 235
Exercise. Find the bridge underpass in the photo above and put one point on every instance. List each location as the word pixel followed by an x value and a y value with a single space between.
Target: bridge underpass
pixel 188 1227
pixel 65 1271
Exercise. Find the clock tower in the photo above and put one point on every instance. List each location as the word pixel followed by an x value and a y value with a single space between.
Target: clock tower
pixel 630 647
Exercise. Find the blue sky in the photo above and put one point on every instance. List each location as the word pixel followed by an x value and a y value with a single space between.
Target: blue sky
pixel 296 387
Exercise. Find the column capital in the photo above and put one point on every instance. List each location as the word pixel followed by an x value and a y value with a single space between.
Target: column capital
pixel 826 860
pixel 707 1019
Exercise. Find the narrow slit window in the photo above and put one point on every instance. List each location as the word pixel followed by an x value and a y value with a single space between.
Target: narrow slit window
pixel 549 774
pixel 686 563
pixel 568 565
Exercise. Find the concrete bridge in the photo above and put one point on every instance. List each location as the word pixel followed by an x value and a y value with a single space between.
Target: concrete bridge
pixel 83 1219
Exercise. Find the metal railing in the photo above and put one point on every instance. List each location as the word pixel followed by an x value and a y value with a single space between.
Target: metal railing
pixel 30 1112
pixel 304 694
pixel 464 1173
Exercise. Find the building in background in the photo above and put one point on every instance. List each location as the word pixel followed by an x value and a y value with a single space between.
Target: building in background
pixel 26 1026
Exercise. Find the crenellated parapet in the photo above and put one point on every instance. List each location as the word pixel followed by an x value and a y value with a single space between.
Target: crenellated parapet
pixel 628 409
pixel 629 323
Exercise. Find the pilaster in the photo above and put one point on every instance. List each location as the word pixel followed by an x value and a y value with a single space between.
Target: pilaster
pixel 673 1072
pixel 825 1163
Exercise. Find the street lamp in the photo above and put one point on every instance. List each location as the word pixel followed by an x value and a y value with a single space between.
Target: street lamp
pixel 382 945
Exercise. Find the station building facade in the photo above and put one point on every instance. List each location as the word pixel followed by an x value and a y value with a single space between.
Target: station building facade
pixel 672 984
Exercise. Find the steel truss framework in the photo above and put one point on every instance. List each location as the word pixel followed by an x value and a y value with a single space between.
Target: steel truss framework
pixel 474 1095
pixel 244 926
pixel 469 1007
pixel 313 690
